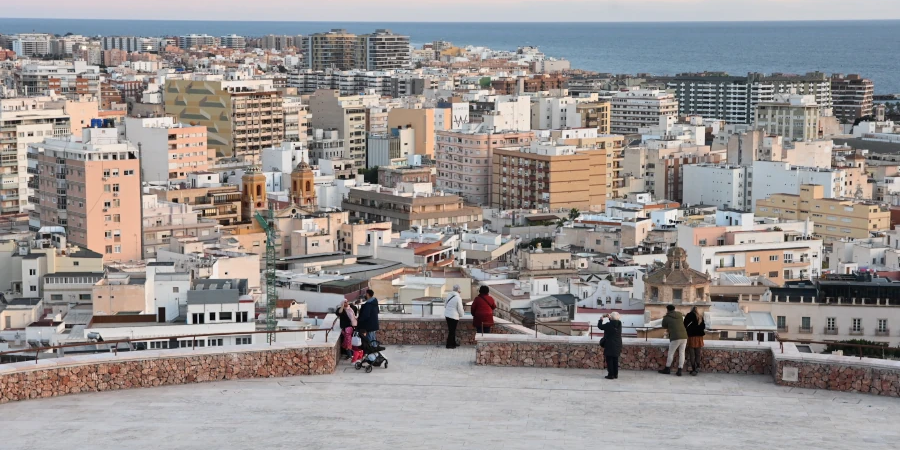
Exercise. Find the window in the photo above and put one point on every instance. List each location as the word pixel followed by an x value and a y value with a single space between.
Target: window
pixel 773 257
pixel 175 289
pixel 32 272
pixel 787 274
pixel 708 261
pixel 198 318
pixel 214 342
pixel 654 293
pixel 225 316
pixel 107 234
pixel 773 274
pixel 702 241
pixel 242 317
pixel 546 287
pixel 882 326
pixel 115 187
pixel 754 259
pixel 117 249
pixel 56 297
pixel 782 322
pixel 32 288
pixel 129 172
pixel 788 257
pixel 212 316
pixel 677 294
pixel 805 323
pixel 242 340
pixel 84 296
pixel 856 325
pixel 700 294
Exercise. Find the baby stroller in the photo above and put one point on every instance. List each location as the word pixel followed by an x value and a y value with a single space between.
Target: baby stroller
pixel 372 351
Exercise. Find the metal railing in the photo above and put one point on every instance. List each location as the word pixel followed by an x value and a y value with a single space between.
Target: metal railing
pixel 858 347
pixel 130 347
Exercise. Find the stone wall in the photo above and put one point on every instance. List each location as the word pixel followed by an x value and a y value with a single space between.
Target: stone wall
pixel 398 329
pixel 836 373
pixel 637 354
pixel 108 372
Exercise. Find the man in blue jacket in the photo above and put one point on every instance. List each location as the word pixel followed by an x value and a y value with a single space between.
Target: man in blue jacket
pixel 368 316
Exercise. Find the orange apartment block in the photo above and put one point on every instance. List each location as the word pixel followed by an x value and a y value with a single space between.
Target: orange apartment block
pixel 92 189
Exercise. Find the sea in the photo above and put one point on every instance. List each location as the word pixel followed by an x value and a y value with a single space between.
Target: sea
pixel 869 48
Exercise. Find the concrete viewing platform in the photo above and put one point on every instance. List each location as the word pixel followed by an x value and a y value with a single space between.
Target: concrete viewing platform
pixel 431 397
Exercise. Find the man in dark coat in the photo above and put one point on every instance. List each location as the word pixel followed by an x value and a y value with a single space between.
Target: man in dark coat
pixel 612 343
pixel 368 316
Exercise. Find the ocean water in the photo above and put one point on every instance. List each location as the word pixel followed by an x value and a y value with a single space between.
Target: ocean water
pixel 870 48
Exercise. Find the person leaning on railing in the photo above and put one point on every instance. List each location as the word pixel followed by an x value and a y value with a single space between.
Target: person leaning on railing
pixel 483 310
pixel 673 321
pixel 696 329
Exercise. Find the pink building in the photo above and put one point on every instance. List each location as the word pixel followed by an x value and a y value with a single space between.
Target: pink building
pixel 92 189
pixel 464 159
pixel 169 150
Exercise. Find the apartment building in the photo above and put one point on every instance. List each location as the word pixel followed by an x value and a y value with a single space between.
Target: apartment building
pixel 216 202
pixel 129 44
pixel 114 57
pixel 24 121
pixel 163 221
pixel 242 117
pixel 233 41
pixel 464 159
pixel 639 108
pixel 390 149
pixel 196 41
pixel 408 205
pixel 737 245
pixel 73 80
pixel 28 44
pixel 383 50
pixel 835 307
pixel 296 120
pixel 595 115
pixel 524 84
pixel 335 49
pixel 734 99
pixel 880 254
pixel 835 218
pixel 795 117
pixel 90 188
pixel 169 150
pixel 346 114
pixel 662 167
pixel 424 123
pixel 569 169
pixel 853 97
pixel 554 113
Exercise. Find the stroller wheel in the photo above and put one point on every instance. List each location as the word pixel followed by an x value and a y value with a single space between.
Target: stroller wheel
pixel 358 366
pixel 368 369
pixel 385 364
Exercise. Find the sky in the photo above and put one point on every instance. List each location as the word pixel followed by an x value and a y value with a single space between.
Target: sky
pixel 461 10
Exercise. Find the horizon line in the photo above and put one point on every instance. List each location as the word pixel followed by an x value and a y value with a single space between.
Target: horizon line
pixel 456 22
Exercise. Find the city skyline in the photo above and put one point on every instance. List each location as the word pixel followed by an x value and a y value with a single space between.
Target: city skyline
pixel 487 11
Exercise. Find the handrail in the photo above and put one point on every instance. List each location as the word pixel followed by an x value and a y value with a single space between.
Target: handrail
pixel 858 347
pixel 193 338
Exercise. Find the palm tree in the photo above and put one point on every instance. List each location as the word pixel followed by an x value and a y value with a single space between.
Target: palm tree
pixel 574 213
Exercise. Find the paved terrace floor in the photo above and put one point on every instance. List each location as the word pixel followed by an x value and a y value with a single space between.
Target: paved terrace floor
pixel 435 398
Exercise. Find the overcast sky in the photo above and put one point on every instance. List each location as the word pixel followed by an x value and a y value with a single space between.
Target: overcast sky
pixel 459 10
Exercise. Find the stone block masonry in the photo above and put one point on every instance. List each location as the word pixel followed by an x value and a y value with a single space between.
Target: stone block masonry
pixel 637 354
pixel 836 373
pixel 108 372
pixel 399 329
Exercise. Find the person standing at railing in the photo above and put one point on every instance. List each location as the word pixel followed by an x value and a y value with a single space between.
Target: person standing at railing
pixel 367 322
pixel 673 321
pixel 483 310
pixel 347 315
pixel 453 311
pixel 696 329
pixel 612 343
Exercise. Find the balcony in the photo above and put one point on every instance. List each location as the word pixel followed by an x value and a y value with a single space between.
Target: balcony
pixel 883 332
pixel 784 329
pixel 833 331
pixel 856 331
pixel 805 330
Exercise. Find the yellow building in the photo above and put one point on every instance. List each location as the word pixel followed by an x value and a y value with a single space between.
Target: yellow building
pixel 595 115
pixel 834 219
pixel 574 169
pixel 242 117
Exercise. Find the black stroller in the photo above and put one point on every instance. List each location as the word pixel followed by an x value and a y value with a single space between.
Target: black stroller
pixel 372 354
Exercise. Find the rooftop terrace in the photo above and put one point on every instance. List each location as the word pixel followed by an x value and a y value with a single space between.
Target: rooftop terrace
pixel 431 397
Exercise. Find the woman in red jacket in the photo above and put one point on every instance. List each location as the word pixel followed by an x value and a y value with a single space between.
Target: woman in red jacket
pixel 483 311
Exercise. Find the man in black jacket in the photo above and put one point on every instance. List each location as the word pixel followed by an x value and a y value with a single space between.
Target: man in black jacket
pixel 612 343
pixel 368 316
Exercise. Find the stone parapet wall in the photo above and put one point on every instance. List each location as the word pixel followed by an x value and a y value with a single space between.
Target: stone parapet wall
pixel 398 329
pixel 108 372
pixel 836 373
pixel 637 354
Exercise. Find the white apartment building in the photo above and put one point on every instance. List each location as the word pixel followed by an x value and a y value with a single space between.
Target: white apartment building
pixel 30 44
pixel 740 187
pixel 881 254
pixel 169 150
pixel 233 41
pixel 737 245
pixel 795 117
pixel 196 41
pixel 163 221
pixel 640 108
pixel 72 79
pixel 555 113
pixel 24 121
pixel 126 43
